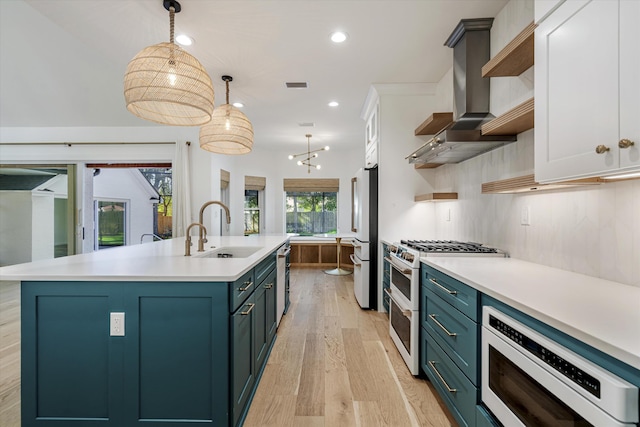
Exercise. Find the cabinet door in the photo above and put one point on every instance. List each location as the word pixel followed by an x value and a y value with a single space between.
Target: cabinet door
pixel 177 343
pixel 630 83
pixel 243 370
pixel 69 360
pixel 577 90
pixel 271 321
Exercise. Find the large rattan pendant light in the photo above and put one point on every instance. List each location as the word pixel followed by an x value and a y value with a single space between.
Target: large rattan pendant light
pixel 165 84
pixel 229 131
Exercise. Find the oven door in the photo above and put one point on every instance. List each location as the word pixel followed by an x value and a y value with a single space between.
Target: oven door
pixel 406 284
pixel 520 392
pixel 404 330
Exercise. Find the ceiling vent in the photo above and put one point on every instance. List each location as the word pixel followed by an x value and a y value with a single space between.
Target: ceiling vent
pixel 306 124
pixel 297 85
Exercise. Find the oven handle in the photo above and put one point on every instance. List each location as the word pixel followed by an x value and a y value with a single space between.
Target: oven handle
pixel 432 363
pixel 284 253
pixel 353 243
pixel 405 271
pixel 357 264
pixel 449 291
pixel 405 313
pixel 451 334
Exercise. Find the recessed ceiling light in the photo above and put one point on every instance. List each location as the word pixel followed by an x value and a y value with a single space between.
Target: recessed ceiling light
pixel 338 36
pixel 184 40
pixel 333 104
pixel 238 104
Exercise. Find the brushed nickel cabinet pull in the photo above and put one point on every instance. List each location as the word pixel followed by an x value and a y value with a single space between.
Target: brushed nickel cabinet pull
pixel 625 143
pixel 432 363
pixel 251 305
pixel 433 317
pixel 449 291
pixel 269 286
pixel 247 285
pixel 407 314
pixel 600 149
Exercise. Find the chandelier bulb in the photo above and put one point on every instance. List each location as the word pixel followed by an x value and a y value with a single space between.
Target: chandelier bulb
pixel 299 163
pixel 318 167
pixel 290 157
pixel 315 154
pixel 326 148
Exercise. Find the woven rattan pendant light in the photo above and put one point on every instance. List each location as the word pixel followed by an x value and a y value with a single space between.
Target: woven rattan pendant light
pixel 165 84
pixel 229 131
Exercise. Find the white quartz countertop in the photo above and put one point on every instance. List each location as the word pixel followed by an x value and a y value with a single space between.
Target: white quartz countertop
pixel 161 261
pixel 598 312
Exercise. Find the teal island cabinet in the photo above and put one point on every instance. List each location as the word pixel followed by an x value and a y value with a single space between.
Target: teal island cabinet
pixel 141 352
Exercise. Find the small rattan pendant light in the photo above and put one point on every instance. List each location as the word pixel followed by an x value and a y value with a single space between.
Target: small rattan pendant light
pixel 165 84
pixel 229 131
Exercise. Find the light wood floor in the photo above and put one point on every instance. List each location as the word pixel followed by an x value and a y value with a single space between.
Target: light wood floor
pixel 334 364
pixel 9 354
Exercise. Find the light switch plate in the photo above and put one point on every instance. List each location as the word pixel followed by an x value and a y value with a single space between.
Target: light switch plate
pixel 116 324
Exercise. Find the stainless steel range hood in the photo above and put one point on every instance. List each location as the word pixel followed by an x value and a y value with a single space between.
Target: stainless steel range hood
pixel 463 139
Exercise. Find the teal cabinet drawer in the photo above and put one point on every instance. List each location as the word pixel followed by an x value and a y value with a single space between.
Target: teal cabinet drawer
pixel 263 269
pixel 456 293
pixel 454 332
pixel 484 418
pixel 446 377
pixel 240 290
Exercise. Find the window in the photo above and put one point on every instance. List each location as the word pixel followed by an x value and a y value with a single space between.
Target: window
pixel 111 223
pixel 251 212
pixel 253 203
pixel 312 212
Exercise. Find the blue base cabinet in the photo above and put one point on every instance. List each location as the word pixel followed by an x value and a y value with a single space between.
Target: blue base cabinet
pixel 186 356
pixel 450 342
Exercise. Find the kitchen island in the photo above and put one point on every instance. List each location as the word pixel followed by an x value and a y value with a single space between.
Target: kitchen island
pixel 144 334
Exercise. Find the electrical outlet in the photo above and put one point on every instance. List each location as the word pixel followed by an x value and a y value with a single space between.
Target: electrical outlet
pixel 525 215
pixel 116 325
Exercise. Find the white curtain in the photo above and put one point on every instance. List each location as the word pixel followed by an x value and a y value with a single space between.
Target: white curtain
pixel 181 190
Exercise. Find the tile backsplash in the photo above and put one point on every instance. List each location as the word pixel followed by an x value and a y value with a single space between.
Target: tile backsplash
pixel 593 230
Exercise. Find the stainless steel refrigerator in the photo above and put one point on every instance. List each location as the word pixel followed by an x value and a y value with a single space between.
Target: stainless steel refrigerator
pixel 364 223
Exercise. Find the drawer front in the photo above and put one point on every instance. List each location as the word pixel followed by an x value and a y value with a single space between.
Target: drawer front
pixel 446 377
pixel 240 290
pixel 456 293
pixel 454 332
pixel 263 269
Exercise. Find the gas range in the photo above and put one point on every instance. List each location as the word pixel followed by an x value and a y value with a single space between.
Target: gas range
pixel 408 252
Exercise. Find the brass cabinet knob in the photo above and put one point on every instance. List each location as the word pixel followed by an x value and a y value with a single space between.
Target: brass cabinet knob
pixel 625 143
pixel 602 149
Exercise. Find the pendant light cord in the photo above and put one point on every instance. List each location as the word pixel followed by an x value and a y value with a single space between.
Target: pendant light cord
pixel 172 14
pixel 227 82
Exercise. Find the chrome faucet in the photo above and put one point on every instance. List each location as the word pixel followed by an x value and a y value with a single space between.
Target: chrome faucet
pixel 187 242
pixel 203 239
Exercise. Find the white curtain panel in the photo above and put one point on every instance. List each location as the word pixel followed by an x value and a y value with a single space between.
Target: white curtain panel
pixel 181 190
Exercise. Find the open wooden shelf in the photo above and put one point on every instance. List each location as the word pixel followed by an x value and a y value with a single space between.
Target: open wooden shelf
pixel 426 165
pixel 514 121
pixel 434 197
pixel 434 124
pixel 514 58
pixel 526 183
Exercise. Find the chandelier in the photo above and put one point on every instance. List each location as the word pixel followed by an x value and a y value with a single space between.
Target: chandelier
pixel 310 155
pixel 165 84
pixel 229 131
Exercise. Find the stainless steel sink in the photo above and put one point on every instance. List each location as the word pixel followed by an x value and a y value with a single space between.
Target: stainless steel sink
pixel 231 252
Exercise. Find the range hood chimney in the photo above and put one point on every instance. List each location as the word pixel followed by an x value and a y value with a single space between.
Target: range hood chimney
pixel 471 43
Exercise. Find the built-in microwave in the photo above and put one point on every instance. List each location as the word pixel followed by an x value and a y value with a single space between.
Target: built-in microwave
pixel 530 380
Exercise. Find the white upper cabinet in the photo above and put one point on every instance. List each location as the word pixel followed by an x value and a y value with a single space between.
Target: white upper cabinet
pixel 542 9
pixel 587 90
pixel 372 131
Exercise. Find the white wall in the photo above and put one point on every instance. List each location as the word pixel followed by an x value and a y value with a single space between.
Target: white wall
pixel 402 109
pixel 26 224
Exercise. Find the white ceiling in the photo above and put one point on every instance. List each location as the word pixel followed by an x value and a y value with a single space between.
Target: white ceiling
pixel 62 61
